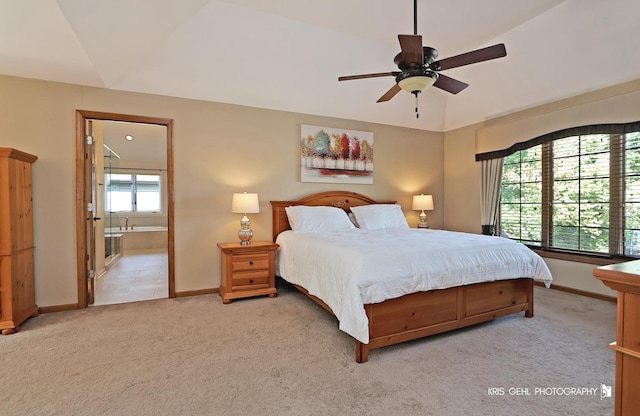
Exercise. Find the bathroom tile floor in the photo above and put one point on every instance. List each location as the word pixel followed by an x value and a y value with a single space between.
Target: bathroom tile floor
pixel 137 275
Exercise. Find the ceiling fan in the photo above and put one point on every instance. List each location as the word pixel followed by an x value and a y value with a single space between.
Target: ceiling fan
pixel 419 69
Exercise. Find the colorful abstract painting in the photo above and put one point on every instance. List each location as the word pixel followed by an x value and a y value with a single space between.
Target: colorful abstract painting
pixel 336 155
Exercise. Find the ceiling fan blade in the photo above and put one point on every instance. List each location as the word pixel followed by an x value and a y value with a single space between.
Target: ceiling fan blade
pixel 390 94
pixel 379 74
pixel 479 55
pixel 412 54
pixel 449 84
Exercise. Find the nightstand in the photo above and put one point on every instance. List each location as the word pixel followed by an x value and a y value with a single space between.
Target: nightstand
pixel 247 270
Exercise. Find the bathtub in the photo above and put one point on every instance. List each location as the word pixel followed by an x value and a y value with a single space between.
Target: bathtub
pixel 140 238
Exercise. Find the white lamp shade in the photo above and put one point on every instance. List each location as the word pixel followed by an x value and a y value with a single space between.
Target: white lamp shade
pixel 422 202
pixel 245 203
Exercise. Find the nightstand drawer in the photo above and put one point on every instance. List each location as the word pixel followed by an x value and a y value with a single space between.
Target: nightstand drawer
pixel 250 280
pixel 249 262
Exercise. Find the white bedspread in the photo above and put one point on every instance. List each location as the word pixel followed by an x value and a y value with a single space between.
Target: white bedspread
pixel 349 269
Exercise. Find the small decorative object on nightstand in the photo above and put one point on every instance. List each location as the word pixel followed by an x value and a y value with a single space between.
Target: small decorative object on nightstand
pixel 422 203
pixel 247 270
pixel 245 204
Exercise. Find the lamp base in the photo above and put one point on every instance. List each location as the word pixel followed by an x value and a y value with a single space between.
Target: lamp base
pixel 423 220
pixel 245 234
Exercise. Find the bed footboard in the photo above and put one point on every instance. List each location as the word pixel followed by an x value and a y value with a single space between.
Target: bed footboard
pixel 427 313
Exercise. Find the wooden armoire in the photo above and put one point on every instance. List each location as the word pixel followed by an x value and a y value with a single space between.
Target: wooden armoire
pixel 17 291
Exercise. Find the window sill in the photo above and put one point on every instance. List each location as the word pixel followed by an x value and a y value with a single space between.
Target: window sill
pixel 580 258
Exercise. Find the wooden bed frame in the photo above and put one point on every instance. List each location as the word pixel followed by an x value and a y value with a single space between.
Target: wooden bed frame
pixel 420 314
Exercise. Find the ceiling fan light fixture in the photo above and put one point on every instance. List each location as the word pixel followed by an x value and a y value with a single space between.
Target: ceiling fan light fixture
pixel 417 83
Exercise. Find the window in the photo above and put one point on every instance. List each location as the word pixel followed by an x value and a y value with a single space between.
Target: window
pixel 521 200
pixel 132 192
pixel 579 193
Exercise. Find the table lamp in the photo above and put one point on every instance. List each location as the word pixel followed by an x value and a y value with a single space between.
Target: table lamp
pixel 422 203
pixel 245 203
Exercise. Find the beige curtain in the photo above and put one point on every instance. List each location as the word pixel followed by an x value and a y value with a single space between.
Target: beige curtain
pixel 490 193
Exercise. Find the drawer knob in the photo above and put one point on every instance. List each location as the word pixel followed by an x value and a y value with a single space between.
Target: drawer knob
pixel 250 280
pixel 251 263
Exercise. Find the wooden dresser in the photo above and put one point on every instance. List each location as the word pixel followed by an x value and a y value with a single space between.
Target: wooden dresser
pixel 625 278
pixel 17 291
pixel 247 270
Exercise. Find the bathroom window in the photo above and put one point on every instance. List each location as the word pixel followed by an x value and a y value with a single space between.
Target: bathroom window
pixel 133 192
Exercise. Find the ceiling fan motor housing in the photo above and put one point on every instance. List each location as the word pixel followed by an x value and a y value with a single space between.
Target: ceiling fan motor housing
pixel 429 56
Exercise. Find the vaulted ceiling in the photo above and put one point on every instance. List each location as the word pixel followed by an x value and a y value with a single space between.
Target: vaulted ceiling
pixel 287 54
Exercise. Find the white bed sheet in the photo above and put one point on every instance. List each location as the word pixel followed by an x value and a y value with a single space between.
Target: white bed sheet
pixel 348 269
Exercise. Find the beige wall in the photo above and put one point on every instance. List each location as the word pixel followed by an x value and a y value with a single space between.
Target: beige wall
pixel 218 149
pixel 462 173
pixel 461 181
pixel 618 104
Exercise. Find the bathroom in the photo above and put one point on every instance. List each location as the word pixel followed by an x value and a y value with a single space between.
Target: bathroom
pixel 131 241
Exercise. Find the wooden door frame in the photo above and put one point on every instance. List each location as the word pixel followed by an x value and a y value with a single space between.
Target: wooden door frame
pixel 81 206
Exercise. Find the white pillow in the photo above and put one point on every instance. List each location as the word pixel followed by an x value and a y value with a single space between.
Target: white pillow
pixel 378 216
pixel 318 219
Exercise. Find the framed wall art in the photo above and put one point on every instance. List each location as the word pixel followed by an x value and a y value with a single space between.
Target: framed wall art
pixel 335 155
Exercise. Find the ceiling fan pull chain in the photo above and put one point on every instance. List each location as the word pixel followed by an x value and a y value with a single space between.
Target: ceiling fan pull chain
pixel 417 114
pixel 415 17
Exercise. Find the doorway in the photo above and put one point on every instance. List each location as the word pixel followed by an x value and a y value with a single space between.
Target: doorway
pixel 124 210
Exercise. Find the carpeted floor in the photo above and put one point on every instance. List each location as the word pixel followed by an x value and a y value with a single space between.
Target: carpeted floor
pixel 286 356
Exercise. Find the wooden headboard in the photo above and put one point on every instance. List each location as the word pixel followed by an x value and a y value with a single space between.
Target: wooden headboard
pixel 339 199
